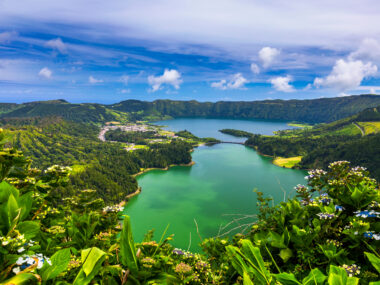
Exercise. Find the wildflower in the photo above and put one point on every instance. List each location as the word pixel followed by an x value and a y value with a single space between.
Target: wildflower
pixel 178 251
pixel 113 209
pixel 326 216
pixel 21 249
pixel 339 208
pixel 183 268
pixel 371 235
pixel 351 270
pixel 367 214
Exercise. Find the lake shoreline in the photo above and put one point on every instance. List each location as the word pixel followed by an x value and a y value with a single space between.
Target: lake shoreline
pixel 165 168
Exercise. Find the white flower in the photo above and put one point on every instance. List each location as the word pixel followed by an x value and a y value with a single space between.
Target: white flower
pixel 21 249
pixel 16 270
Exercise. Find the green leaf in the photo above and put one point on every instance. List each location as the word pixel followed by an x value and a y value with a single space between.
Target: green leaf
pixel 60 261
pixel 287 279
pixel 277 240
pixel 92 259
pixel 127 246
pixel 253 256
pixel 5 190
pixel 22 278
pixel 374 283
pixel 29 229
pixel 337 276
pixel 25 202
pixel 375 261
pixel 356 195
pixel 246 279
pixel 315 277
pixel 285 254
pixel 237 260
pixel 12 207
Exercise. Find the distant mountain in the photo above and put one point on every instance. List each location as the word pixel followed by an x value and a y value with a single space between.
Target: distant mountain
pixel 311 111
pixel 95 113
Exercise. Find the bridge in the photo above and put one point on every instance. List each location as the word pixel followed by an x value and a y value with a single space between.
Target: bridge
pixel 242 143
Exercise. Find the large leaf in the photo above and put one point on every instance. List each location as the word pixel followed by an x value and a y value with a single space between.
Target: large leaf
pixel 246 279
pixel 237 260
pixel 287 279
pixel 127 246
pixel 315 277
pixel 253 256
pixel 25 202
pixel 29 229
pixel 375 261
pixel 59 263
pixel 5 190
pixel 92 259
pixel 22 278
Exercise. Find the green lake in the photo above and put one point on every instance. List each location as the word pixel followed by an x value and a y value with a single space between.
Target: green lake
pixel 214 192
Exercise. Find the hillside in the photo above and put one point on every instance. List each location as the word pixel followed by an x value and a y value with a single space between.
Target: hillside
pixel 85 113
pixel 311 111
pixel 105 167
pixel 355 139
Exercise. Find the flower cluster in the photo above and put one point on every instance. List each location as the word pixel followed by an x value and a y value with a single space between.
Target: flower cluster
pixel 371 235
pixel 113 209
pixel 367 214
pixel 148 262
pixel 26 261
pixel 325 199
pixel 56 230
pixel 338 163
pixel 315 174
pixel 183 268
pixel 334 242
pixel 103 236
pixel 326 216
pixel 339 208
pixel 351 270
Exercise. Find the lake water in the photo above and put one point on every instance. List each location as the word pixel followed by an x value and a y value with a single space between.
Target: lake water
pixel 210 127
pixel 213 192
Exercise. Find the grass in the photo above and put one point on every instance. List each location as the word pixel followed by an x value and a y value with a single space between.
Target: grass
pixel 287 162
pixel 300 125
pixel 370 127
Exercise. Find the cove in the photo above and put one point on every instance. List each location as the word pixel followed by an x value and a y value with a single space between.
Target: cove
pixel 214 192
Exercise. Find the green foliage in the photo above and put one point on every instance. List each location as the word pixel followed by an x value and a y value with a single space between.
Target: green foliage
pixel 236 133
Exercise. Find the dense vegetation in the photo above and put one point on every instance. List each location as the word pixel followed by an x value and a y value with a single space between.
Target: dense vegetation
pixel 346 139
pixel 236 133
pixel 105 167
pixel 131 137
pixel 329 234
pixel 312 111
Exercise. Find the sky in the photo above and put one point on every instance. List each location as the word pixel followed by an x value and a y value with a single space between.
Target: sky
pixel 230 50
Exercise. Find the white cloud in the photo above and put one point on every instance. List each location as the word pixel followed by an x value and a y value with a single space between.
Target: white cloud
pixel 124 79
pixel 346 75
pixel 125 91
pixel 267 55
pixel 369 50
pixel 7 37
pixel 236 82
pixel 255 68
pixel 45 72
pixel 93 80
pixel 170 77
pixel 281 83
pixel 57 44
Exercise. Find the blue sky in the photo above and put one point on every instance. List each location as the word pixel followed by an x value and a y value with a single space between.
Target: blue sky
pixel 108 51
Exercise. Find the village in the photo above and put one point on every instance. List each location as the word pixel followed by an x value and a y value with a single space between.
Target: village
pixel 138 128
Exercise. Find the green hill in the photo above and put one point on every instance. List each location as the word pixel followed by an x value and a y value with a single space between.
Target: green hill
pixel 311 111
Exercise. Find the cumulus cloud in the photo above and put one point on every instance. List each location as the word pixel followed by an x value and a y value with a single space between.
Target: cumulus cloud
pixel 93 80
pixel 170 77
pixel 7 37
pixel 57 44
pixel 346 75
pixel 281 83
pixel 267 55
pixel 45 72
pixel 369 50
pixel 255 68
pixel 236 82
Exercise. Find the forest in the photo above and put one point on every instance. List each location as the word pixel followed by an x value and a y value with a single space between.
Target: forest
pixel 322 110
pixel 105 167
